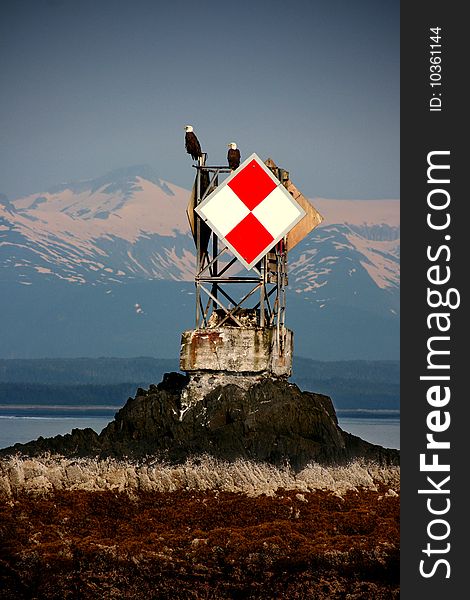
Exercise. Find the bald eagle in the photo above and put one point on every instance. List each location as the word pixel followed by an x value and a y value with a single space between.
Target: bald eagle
pixel 233 156
pixel 193 147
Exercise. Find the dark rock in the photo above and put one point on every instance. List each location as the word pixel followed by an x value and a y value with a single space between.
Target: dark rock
pixel 81 442
pixel 173 382
pixel 272 421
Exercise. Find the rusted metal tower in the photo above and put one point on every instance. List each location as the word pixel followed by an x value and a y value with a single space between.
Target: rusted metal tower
pixel 241 229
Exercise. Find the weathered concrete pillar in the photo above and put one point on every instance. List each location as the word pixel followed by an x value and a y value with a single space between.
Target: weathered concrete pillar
pixel 243 350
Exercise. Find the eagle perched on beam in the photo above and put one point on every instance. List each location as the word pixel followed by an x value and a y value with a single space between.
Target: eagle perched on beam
pixel 193 147
pixel 233 156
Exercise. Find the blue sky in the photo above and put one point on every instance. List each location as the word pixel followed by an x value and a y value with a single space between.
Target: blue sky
pixel 91 86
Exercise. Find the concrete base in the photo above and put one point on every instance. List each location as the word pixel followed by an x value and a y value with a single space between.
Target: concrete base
pixel 237 350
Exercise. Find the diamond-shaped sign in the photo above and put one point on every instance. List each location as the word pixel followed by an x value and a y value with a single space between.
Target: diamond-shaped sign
pixel 250 211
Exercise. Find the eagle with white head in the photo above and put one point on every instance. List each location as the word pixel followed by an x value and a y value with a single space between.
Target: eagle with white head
pixel 193 147
pixel 233 156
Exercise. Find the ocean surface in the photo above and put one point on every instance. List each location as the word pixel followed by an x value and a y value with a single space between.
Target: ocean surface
pixel 384 431
pixel 20 424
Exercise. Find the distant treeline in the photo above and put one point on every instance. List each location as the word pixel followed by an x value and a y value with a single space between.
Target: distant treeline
pixel 351 393
pixel 143 370
pixel 351 384
pixel 387 371
pixel 66 395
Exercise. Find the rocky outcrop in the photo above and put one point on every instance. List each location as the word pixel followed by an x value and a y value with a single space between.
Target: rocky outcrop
pixel 271 420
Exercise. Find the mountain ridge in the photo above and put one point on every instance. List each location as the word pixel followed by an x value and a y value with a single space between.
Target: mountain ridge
pixel 126 235
pixel 131 205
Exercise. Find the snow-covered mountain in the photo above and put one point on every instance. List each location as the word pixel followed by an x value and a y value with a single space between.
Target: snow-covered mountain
pixel 130 227
pixel 129 224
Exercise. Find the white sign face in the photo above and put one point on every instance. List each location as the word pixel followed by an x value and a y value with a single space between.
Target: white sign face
pixel 250 211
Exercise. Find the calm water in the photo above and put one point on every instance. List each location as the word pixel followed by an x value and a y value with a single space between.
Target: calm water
pixel 382 431
pixel 22 426
pixel 24 429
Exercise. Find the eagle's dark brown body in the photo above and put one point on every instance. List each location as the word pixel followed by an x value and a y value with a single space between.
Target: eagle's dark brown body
pixel 233 157
pixel 193 147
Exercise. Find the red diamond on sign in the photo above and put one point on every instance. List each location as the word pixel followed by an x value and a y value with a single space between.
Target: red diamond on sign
pixel 251 211
pixel 252 184
pixel 250 236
